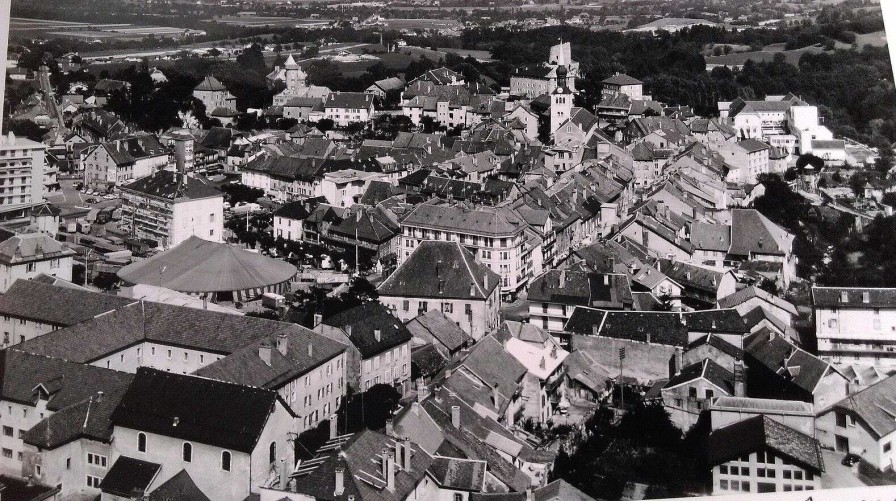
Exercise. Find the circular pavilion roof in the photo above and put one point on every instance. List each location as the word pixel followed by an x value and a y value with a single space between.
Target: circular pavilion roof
pixel 197 265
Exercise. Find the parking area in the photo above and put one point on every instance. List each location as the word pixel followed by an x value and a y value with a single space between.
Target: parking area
pixel 836 474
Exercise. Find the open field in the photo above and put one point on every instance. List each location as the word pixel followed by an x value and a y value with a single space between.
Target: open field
pixel 767 54
pixel 27 28
pixel 262 21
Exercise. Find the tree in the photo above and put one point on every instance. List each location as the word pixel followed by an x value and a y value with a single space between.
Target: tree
pixel 325 124
pixel 368 410
pixel 325 73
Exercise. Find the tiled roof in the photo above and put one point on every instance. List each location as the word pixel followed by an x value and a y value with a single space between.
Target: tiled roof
pixel 173 186
pixel 27 247
pixel 441 270
pixel 653 327
pixel 436 324
pixel 718 343
pixel 210 412
pixel 349 100
pixel 760 433
pixel 875 405
pixel 364 321
pixel 707 369
pixel 493 368
pixel 180 487
pixel 751 292
pixel 853 297
pixel 458 474
pixel 621 79
pixel 426 361
pixel 293 210
pixel 689 275
pixel 794 365
pixel 129 477
pixel 500 222
pixel 753 145
pixel 211 83
pixel 597 290
pixel 753 233
pixel 712 237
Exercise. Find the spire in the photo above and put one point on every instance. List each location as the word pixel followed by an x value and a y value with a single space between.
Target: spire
pixel 290 62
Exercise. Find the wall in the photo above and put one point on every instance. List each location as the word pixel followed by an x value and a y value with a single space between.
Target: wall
pixel 482 319
pixel 203 218
pixel 290 229
pixel 19 330
pixel 779 483
pixel 61 268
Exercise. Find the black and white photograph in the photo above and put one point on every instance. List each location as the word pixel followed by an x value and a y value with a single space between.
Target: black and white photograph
pixel 447 250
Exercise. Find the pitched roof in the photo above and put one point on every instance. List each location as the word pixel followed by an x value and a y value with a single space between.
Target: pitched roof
pixel 129 477
pixel 371 328
pixel 492 368
pixel 441 270
pixel 875 405
pixel 652 327
pixel 27 247
pixel 436 324
pixel 180 487
pixel 350 100
pixel 216 413
pixel 458 474
pixel 759 433
pixel 597 290
pixel 173 186
pixel 751 292
pixel 853 297
pixel 753 145
pixel 621 79
pixel 210 83
pixel 498 221
pixel 707 369
pixel 794 365
pixel 753 233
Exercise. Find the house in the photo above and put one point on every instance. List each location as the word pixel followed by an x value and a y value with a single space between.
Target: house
pixel 725 411
pixel 863 424
pixel 300 108
pixel 386 87
pixel 233 444
pixel 289 219
pixel 497 238
pixel 752 297
pixel 762 455
pixel 701 287
pixel 621 83
pixel 170 207
pixel 554 294
pixel 746 159
pixel 24 256
pixel 344 108
pixel 779 369
pixel 855 324
pixel 446 277
pixel 543 384
pixel 436 329
pixel 379 346
pixel 344 187
pixel 114 163
pixel 214 95
pixel 689 392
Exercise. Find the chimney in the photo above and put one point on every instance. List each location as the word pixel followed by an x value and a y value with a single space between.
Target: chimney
pixel 740 385
pixel 595 330
pixel 530 495
pixel 264 353
pixel 318 318
pixel 485 281
pixel 542 364
pixel 340 481
pixel 281 344
pixel 455 416
pixel 99 396
pixel 390 470
pixel 611 262
pixel 310 350
pixel 606 279
pixel 472 289
pixel 390 428
pixel 377 334
pixel 407 455
pixel 348 330
pixel 562 279
pixel 334 426
pixel 495 395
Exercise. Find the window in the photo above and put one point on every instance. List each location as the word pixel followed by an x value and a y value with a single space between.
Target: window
pixel 765 487
pixel 888 446
pixel 723 484
pixel 93 481
pixel 723 469
pixel 32 266
pixel 7 430
pixel 709 393
pixel 68 463
pixel 96 460
pixel 458 496
pixel 225 460
pixel 7 453
pixel 141 442
pixel 405 305
pixel 272 453
pixel 188 452
pixel 447 308
pixel 692 392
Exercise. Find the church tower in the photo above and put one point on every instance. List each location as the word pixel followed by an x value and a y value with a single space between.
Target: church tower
pixel 561 101
pixel 295 77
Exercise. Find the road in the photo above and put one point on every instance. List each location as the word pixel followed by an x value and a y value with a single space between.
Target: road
pixel 835 474
pixel 47 89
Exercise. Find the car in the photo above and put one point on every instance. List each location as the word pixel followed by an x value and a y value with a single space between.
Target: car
pixel 91 200
pixel 109 196
pixel 851 459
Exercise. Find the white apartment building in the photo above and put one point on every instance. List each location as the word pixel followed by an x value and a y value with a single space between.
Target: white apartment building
pixel 496 236
pixel 170 207
pixel 22 166
pixel 856 325
pixel 116 162
pixel 344 108
pixel 343 188
pixel 27 255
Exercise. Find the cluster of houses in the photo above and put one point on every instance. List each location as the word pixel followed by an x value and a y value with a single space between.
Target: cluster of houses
pixel 622 239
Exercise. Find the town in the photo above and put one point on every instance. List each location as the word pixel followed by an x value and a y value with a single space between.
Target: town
pixel 343 263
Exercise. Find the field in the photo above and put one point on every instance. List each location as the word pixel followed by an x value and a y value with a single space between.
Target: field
pixel 767 54
pixel 32 28
pixel 262 21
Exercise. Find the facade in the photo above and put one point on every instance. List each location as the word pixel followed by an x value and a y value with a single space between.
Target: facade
pixel 622 84
pixel 115 163
pixel 379 346
pixel 22 167
pixel 28 255
pixel 444 276
pixel 170 207
pixel 344 108
pixel 856 325
pixel 214 95
pixel 554 294
pixel 497 237
pixel 761 455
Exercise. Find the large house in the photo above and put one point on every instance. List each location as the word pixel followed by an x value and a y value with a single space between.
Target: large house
pixel 856 325
pixel 379 346
pixel 26 255
pixel 345 108
pixel 170 207
pixel 554 294
pixel 214 95
pixel 444 276
pixel 114 163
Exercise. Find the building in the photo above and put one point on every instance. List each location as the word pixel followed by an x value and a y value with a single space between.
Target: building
pixel 236 442
pixel 446 277
pixel 214 95
pixel 856 325
pixel 344 108
pixel 170 207
pixel 386 87
pixel 114 163
pixel 621 83
pixel 761 455
pixel 27 255
pixel 746 160
pixel 289 220
pixel 496 237
pixel 554 294
pixel 689 392
pixel 379 346
pixel 22 166
pixel 534 81
pixel 863 424
pixel 297 87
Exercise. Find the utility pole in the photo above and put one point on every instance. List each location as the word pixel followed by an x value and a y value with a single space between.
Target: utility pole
pixel 86 266
pixel 621 387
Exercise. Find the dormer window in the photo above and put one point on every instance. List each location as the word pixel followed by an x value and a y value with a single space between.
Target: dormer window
pixel 866 297
pixel 844 297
